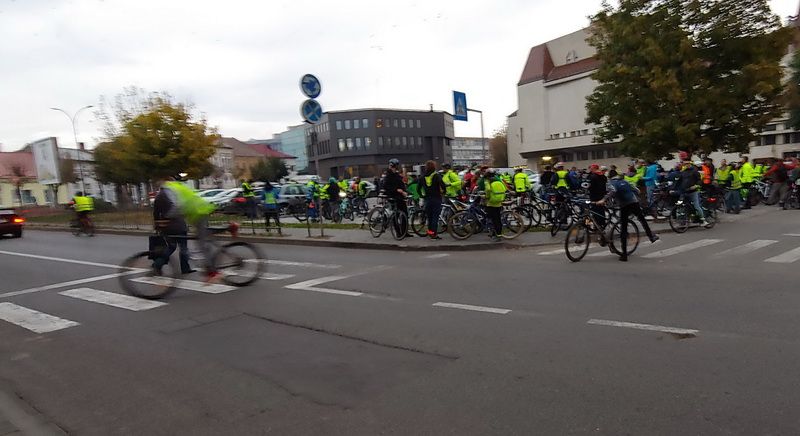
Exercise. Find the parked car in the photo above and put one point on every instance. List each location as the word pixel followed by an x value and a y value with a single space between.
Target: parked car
pixel 11 223
pixel 209 193
pixel 237 204
pixel 224 196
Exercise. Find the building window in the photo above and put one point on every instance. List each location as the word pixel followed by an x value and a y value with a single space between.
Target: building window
pixel 365 123
pixel 397 140
pixel 419 124
pixel 582 155
pixel 349 143
pixel 770 128
pixel 338 124
pixel 598 154
pixel 356 124
pixel 787 138
pixel 367 142
pixel 379 123
pixel 380 141
pixel 347 124
pixel 403 123
pixel 419 141
pixel 769 139
pixel 358 143
pixel 612 153
pixel 342 145
pixel 405 142
pixel 395 122
pixel 389 141
pixel 584 132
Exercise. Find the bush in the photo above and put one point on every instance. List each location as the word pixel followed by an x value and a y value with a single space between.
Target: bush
pixel 103 206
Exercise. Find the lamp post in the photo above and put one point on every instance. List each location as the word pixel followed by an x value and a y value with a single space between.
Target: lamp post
pixel 75 135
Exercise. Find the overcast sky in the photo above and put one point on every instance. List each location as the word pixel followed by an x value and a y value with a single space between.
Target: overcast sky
pixel 240 61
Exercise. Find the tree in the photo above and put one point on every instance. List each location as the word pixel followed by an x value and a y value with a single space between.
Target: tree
pixel 260 171
pixel 277 168
pixel 793 92
pixel 150 136
pixel 692 75
pixel 498 147
pixel 270 169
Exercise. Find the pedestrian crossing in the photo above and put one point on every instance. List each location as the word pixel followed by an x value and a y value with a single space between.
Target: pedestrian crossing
pixel 40 322
pixel 762 250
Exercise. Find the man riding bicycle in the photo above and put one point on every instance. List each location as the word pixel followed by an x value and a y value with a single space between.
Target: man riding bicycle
pixel 688 186
pixel 83 205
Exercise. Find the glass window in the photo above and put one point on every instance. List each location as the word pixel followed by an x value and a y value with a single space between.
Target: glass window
pixel 356 124
pixel 379 123
pixel 342 145
pixel 582 155
pixel 397 141
pixel 380 141
pixel 395 122
pixel 769 139
pixel 419 124
pixel 367 142
pixel 403 123
pixel 388 141
pixel 405 142
pixel 338 124
pixel 349 143
pixel 358 143
pixel 365 123
pixel 598 154
pixel 770 128
pixel 612 153
pixel 346 124
pixel 419 141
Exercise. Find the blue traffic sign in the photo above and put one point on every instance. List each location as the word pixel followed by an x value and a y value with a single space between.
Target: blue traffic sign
pixel 310 86
pixel 311 111
pixel 459 106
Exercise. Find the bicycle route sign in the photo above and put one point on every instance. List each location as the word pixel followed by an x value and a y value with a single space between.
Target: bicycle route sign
pixel 311 111
pixel 310 86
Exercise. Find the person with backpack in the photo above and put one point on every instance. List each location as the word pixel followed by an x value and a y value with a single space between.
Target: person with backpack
pixel 431 188
pixel 626 196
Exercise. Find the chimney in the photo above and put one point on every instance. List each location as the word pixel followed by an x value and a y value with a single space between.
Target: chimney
pixel 81 146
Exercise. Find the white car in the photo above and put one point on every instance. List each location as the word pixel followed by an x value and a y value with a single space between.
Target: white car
pixel 208 193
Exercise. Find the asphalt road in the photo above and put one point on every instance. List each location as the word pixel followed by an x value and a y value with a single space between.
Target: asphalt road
pixel 697 334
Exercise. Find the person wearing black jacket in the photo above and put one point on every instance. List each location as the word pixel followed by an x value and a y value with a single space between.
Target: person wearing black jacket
pixel 597 191
pixel 169 221
pixel 431 189
pixel 396 190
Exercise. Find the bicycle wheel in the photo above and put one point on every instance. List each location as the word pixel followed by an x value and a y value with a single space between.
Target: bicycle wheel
pixel 240 263
pixel 399 225
pixel 75 227
pixel 527 216
pixel 376 221
pixel 89 228
pixel 576 244
pixel 418 222
pixel 461 225
pixel 513 224
pixel 711 217
pixel 615 238
pixel 140 279
pixel 679 219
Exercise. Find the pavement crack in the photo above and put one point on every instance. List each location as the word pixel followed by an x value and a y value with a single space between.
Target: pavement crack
pixel 354 338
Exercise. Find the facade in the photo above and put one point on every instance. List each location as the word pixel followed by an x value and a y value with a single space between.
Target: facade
pixel 469 151
pixel 222 177
pixel 361 142
pixel 244 157
pixel 293 142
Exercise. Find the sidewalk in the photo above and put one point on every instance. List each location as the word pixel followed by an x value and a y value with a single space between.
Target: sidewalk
pixel 18 418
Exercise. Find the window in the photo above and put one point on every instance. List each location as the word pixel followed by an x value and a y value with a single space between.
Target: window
pixel 347 124
pixel 367 142
pixel 379 123
pixel 380 141
pixel 397 140
pixel 349 143
pixel 365 123
pixel 769 139
pixel 584 132
pixel 410 124
pixel 419 141
pixel 356 124
pixel 419 124
pixel 612 153
pixel 598 154
pixel 770 128
pixel 787 138
pixel 389 141
pixel 358 143
pixel 394 122
pixel 405 142
pixel 403 123
pixel 342 145
pixel 582 155
pixel 338 124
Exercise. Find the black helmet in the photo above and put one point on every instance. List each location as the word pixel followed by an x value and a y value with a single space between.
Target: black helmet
pixel 394 162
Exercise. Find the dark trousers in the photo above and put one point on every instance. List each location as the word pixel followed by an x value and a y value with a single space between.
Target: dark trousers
pixel 182 244
pixel 494 216
pixel 433 208
pixel 401 206
pixel 625 213
pixel 271 214
pixel 250 207
pixel 599 214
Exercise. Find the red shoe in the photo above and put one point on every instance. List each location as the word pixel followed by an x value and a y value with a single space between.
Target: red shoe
pixel 213 277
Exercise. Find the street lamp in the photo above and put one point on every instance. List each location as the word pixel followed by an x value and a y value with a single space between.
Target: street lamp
pixel 75 135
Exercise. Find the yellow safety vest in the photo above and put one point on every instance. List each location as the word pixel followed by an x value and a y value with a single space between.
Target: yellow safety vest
pixel 84 204
pixel 497 194
pixel 723 174
pixel 562 179
pixel 521 182
pixel 343 186
pixel 453 183
pixel 746 174
pixel 247 190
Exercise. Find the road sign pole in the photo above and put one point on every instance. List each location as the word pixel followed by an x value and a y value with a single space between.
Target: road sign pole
pixel 483 136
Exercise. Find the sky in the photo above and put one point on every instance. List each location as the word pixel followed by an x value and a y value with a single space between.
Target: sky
pixel 239 62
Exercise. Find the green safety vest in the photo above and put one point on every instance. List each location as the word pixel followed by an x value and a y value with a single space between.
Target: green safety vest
pixel 521 182
pixel 723 174
pixel 746 174
pixel 191 205
pixel 640 172
pixel 497 194
pixel 413 189
pixel 84 204
pixel 632 180
pixel 362 189
pixel 314 187
pixel 247 190
pixel 736 181
pixel 343 185
pixel 453 183
pixel 323 192
pixel 269 197
pixel 562 179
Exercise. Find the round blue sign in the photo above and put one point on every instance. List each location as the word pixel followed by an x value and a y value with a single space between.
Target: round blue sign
pixel 311 111
pixel 310 86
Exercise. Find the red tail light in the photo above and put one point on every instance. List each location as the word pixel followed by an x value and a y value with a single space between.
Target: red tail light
pixel 712 199
pixel 19 220
pixel 239 200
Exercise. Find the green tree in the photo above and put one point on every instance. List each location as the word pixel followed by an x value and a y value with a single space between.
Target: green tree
pixel 498 147
pixel 150 136
pixel 277 168
pixel 693 75
pixel 793 92
pixel 270 169
pixel 260 171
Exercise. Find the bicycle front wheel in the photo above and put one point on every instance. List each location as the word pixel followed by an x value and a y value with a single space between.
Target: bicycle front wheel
pixel 140 278
pixel 576 244
pixel 418 222
pixel 679 219
pixel 399 226
pixel 461 225
pixel 632 241
pixel 240 263
pixel 376 221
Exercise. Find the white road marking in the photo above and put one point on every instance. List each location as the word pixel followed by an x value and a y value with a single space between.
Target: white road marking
pixel 788 257
pixel 302 264
pixel 682 248
pixel 32 320
pixel 112 299
pixel 436 256
pixel 61 259
pixel 473 308
pixel 551 252
pixel 794 235
pixel 655 328
pixel 311 285
pixel 189 285
pixel 746 248
pixel 69 283
pixel 273 276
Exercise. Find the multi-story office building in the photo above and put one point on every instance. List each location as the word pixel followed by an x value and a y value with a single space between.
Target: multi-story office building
pixel 293 142
pixel 468 151
pixel 361 142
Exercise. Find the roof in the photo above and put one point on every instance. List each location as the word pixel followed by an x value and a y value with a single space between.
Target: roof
pixel 240 149
pixel 21 159
pixel 388 110
pixel 539 64
pixel 267 151
pixel 573 69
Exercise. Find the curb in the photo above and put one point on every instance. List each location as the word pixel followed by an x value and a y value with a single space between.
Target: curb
pixel 312 242
pixel 17 416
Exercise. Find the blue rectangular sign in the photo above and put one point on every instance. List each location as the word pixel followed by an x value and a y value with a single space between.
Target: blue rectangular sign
pixel 459 106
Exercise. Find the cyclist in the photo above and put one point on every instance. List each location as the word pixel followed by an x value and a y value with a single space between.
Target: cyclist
pixel 395 190
pixel 747 175
pixel 560 181
pixel 626 196
pixel 330 195
pixel 250 198
pixel 413 188
pixel 779 191
pixel 84 205
pixel 522 183
pixel 688 185
pixel 432 188
pixel 598 190
pixel 733 196
pixel 271 210
pixel 495 195
pixel 451 181
pixel 650 180
pixel 342 184
pixel 547 178
pixel 179 205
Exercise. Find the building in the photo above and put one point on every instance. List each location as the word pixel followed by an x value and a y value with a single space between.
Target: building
pixel 293 142
pixel 244 158
pixel 469 151
pixel 361 142
pixel 549 124
pixel 267 151
pixel 222 175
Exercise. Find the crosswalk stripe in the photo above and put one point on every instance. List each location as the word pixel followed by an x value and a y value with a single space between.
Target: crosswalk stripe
pixel 302 264
pixel 747 248
pixel 273 276
pixel 189 285
pixel 32 320
pixel 551 252
pixel 788 257
pixel 682 248
pixel 111 299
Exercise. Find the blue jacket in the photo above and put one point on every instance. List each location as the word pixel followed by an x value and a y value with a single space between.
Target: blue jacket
pixel 623 192
pixel 651 175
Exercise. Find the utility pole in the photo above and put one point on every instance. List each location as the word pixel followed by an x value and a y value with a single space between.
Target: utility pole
pixel 75 136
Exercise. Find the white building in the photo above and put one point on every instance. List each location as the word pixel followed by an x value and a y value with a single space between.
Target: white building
pixel 222 177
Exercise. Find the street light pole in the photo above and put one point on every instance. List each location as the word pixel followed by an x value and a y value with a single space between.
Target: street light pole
pixel 75 135
pixel 483 136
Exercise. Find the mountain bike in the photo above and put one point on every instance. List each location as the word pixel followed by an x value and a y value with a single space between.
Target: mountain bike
pixel 418 220
pixel 239 263
pixel 579 234
pixel 383 217
pixel 474 220
pixel 684 215
pixel 82 224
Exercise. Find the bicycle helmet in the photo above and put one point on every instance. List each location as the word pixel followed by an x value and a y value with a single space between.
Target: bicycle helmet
pixel 394 162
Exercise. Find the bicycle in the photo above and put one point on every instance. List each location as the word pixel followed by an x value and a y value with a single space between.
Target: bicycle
pixel 419 219
pixel 239 263
pixel 474 220
pixel 82 224
pixel 576 243
pixel 684 214
pixel 386 216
